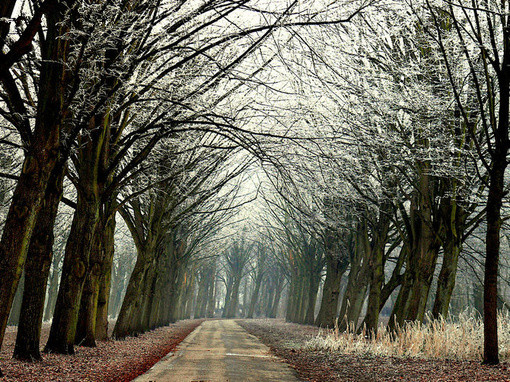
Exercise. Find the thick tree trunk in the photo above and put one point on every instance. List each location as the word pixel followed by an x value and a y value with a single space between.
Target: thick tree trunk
pixel 105 281
pixel 228 297
pixel 422 241
pixel 357 283
pixel 132 303
pixel 74 273
pixel 202 294
pixel 297 315
pixel 41 157
pixel 37 270
pixel 375 289
pixel 99 272
pixel 86 325
pixel 494 203
pixel 335 269
pixel 291 299
pixel 490 295
pixel 189 297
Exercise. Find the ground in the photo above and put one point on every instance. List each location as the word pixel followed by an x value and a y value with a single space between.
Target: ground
pixel 110 361
pixel 220 351
pixel 286 340
pixel 124 360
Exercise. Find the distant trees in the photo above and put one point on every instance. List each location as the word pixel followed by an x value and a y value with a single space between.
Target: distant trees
pixel 88 92
pixel 236 258
pixel 411 127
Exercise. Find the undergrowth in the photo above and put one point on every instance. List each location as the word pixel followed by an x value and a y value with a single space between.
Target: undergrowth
pixel 461 339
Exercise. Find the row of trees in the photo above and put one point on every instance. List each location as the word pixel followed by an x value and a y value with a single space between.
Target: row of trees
pixel 406 164
pixel 130 108
pixel 396 137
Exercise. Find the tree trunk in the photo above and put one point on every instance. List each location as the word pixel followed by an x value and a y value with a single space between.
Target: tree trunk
pixel 211 300
pixel 292 298
pixel 99 273
pixel 234 299
pixel 105 281
pixel 228 297
pixel 357 283
pixel 452 247
pixel 490 295
pixel 74 273
pixel 335 268
pixel 255 295
pixel 86 325
pixel 313 288
pixel 37 270
pixel 375 289
pixel 277 297
pixel 422 241
pixel 376 264
pixel 202 294
pixel 40 159
pixel 132 303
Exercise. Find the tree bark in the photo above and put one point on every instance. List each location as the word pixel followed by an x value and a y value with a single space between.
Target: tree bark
pixel 313 288
pixel 276 301
pixel 255 295
pixel 376 264
pixel 490 295
pixel 234 299
pixel 454 229
pixel 132 303
pixel 74 272
pixel 86 324
pixel 40 158
pixel 105 281
pixel 336 265
pixel 37 270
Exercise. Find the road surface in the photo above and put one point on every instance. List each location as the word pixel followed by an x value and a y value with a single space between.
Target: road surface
pixel 220 351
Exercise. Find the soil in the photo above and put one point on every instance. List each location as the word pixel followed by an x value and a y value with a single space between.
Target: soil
pixel 110 361
pixel 286 341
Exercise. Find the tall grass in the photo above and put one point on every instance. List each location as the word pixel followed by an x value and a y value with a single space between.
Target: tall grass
pixel 438 339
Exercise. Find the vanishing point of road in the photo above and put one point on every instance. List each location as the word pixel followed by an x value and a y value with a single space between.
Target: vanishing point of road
pixel 220 351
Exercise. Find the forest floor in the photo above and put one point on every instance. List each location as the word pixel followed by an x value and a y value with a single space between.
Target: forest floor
pixel 288 340
pixel 110 361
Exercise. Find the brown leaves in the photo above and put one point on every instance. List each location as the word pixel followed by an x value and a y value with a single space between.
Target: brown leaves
pixel 109 361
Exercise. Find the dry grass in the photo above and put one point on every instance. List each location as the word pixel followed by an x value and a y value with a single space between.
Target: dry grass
pixel 438 339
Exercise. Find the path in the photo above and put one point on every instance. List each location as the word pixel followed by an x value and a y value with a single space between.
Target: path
pixel 220 351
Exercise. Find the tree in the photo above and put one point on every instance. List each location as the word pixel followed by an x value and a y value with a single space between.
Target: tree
pixel 485 48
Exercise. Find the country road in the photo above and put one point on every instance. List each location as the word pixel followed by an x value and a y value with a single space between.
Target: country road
pixel 220 351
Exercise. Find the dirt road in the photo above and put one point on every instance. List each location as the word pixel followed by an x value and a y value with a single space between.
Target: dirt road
pixel 220 351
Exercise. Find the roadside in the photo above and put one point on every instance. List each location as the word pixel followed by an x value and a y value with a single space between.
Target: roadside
pixel 110 361
pixel 288 340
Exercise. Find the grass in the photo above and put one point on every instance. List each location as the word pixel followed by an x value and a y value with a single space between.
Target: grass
pixel 437 339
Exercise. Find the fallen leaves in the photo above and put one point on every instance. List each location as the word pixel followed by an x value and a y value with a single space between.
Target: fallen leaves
pixel 284 339
pixel 110 361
